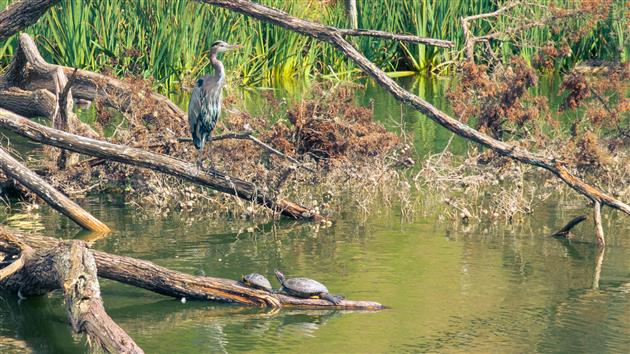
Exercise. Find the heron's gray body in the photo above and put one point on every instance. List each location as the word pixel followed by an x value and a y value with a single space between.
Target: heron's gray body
pixel 204 113
pixel 204 108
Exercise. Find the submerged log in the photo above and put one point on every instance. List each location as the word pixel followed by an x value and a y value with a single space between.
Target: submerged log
pixel 334 36
pixel 161 163
pixel 149 276
pixel 53 197
pixel 565 231
pixel 69 266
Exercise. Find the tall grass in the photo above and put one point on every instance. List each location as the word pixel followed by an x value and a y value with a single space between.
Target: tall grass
pixel 165 39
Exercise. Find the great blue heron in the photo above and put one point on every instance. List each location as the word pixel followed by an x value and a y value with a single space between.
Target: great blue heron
pixel 204 108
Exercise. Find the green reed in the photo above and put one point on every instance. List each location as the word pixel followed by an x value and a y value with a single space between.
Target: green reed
pixel 166 40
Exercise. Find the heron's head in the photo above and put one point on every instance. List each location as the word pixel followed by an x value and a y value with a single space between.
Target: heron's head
pixel 221 46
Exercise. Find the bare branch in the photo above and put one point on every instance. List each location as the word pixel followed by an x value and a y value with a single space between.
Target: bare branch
pixel 565 231
pixel 331 35
pixel 249 136
pixel 53 197
pixel 599 230
pixel 396 37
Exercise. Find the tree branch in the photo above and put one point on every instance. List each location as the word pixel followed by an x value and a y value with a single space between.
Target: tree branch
pixel 22 14
pixel 157 162
pixel 331 35
pixel 53 197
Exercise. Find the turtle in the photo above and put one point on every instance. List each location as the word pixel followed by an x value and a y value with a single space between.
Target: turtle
pixel 257 281
pixel 306 288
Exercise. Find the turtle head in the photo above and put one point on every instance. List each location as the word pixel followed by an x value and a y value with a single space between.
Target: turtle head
pixel 280 276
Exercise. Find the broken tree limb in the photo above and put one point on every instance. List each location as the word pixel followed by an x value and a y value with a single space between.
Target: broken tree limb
pixel 53 197
pixel 22 14
pixel 29 71
pixel 332 36
pixel 70 266
pixel 396 37
pixel 161 163
pixel 31 104
pixel 149 276
pixel 565 231
pixel 599 230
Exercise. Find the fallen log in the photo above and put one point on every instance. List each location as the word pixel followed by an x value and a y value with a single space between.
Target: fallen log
pixel 68 266
pixel 334 36
pixel 149 276
pixel 161 163
pixel 22 14
pixel 53 197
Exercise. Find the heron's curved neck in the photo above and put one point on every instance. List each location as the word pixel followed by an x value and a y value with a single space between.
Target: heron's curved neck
pixel 219 70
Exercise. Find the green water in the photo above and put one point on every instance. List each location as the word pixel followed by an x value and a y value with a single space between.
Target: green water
pixel 485 289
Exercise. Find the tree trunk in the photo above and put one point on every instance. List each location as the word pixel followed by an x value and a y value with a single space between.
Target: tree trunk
pixel 70 266
pixel 56 199
pixel 351 13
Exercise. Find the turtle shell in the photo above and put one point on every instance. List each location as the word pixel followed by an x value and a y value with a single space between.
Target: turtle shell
pixel 257 281
pixel 304 286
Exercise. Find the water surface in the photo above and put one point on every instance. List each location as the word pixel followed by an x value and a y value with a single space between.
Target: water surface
pixel 453 289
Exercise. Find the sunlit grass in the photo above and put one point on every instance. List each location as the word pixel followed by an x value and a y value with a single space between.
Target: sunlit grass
pixel 167 40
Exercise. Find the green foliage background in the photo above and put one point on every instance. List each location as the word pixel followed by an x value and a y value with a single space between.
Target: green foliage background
pixel 165 39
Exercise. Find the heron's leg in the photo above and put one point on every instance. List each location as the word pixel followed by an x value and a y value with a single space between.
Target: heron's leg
pixel 199 160
pixel 211 158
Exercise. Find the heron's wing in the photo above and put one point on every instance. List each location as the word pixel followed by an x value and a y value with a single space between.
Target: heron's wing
pixel 194 108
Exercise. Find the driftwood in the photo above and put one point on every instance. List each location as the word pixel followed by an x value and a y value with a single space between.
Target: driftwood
pixel 56 199
pixel 565 231
pixel 333 36
pixel 153 161
pixel 149 276
pixel 22 14
pixel 68 266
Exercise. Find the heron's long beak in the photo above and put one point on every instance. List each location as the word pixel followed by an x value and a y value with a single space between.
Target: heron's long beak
pixel 235 47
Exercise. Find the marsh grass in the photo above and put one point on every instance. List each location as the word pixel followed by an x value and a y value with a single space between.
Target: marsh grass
pixel 166 40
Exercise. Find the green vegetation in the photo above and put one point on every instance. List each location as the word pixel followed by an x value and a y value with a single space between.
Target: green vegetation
pixel 166 40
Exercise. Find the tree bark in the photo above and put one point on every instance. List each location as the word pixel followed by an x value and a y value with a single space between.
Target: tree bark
pixel 70 266
pixel 153 161
pixel 333 36
pixel 351 13
pixel 53 197
pixel 599 230
pixel 149 276
pixel 22 14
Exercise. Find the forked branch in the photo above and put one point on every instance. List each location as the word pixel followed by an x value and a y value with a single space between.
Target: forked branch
pixel 332 36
